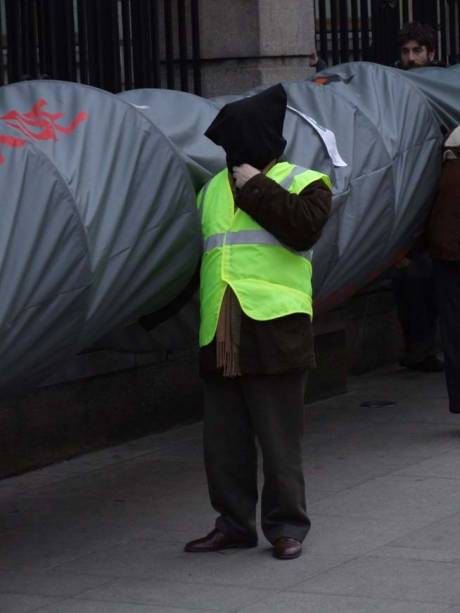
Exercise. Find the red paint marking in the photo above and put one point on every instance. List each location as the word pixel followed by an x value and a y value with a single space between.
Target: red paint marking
pixel 37 124
pixel 10 141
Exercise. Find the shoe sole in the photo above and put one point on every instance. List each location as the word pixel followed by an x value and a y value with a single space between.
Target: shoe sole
pixel 288 557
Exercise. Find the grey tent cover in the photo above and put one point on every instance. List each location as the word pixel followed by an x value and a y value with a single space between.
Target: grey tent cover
pixel 98 223
pixel 387 129
pixel 98 198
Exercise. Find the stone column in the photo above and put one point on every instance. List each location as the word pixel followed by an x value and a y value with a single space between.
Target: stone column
pixel 245 43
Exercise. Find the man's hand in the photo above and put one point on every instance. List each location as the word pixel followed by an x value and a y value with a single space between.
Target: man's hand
pixel 312 58
pixel 242 174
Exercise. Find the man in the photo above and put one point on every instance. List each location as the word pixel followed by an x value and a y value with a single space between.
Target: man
pixel 444 245
pixel 260 218
pixel 413 283
pixel 416 46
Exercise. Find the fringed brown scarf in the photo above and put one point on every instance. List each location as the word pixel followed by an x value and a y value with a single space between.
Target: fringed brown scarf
pixel 228 335
pixel 229 325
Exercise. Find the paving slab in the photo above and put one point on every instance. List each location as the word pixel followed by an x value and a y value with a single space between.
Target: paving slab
pixel 150 560
pixel 45 548
pixel 20 603
pixel 316 603
pixel 175 594
pixel 47 583
pixel 439 540
pixel 375 577
pixel 334 473
pixel 348 535
pixel 105 532
pixel 446 465
pixel 395 497
pixel 97 606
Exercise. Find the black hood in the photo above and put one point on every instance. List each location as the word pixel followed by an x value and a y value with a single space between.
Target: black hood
pixel 251 130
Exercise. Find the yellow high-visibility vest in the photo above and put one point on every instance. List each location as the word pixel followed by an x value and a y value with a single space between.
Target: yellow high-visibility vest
pixel 269 279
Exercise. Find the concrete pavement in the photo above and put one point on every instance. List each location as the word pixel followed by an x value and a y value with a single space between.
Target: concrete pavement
pixel 103 533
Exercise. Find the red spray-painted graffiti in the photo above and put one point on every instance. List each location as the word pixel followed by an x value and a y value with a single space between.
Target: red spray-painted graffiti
pixel 37 125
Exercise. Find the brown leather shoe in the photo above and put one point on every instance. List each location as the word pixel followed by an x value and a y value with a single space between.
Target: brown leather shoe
pixel 287 548
pixel 216 541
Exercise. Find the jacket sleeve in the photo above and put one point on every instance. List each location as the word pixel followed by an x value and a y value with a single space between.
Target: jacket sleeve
pixel 294 219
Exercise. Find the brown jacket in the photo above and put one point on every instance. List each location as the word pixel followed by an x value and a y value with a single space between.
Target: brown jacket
pixel 443 231
pixel 283 344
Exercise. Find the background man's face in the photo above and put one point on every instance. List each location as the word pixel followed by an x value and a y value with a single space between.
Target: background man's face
pixel 413 54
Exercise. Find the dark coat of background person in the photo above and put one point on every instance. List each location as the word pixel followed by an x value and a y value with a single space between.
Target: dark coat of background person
pixel 443 231
pixel 443 236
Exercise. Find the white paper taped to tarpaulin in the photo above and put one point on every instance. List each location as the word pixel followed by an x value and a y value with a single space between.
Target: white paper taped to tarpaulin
pixel 388 134
pixel 99 223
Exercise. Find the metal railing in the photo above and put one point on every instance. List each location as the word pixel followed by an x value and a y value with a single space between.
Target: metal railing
pixel 353 30
pixel 112 44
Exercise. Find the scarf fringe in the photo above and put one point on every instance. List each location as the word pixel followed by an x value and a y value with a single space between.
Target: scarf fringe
pixel 228 336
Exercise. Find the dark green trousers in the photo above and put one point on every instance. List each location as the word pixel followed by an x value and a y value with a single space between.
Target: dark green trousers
pixel 269 408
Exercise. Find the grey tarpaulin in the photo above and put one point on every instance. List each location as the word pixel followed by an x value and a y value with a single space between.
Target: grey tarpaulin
pixel 45 270
pixel 390 137
pixel 387 131
pixel 98 223
pixel 441 87
pixel 177 112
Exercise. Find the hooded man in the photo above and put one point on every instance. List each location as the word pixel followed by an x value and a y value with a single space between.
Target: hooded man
pixel 260 218
pixel 444 246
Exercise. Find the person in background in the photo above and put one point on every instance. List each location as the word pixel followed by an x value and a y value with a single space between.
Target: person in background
pixel 260 218
pixel 413 282
pixel 412 278
pixel 416 46
pixel 443 235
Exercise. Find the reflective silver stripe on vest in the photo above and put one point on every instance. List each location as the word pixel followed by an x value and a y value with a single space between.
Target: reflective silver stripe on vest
pixel 249 237
pixel 216 240
pixel 297 170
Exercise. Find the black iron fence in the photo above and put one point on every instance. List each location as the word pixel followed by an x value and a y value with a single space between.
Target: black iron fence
pixel 352 30
pixel 113 44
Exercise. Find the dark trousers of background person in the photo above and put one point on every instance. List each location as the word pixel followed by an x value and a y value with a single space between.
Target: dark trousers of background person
pixel 413 288
pixel 447 283
pixel 269 408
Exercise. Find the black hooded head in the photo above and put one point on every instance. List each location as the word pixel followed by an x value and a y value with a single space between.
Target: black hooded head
pixel 251 130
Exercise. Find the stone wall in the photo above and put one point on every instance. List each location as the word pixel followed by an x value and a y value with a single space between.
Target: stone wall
pixel 249 43
pixel 110 397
